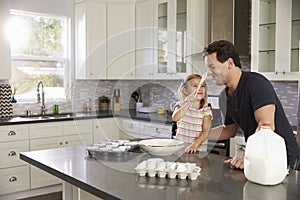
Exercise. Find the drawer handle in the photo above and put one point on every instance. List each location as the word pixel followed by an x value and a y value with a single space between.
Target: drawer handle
pixel 12 153
pixel 60 143
pixel 130 125
pixel 157 130
pixel 13 179
pixel 11 133
pixel 66 142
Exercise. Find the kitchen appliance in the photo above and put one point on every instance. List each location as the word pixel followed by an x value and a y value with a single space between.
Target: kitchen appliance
pixel 148 109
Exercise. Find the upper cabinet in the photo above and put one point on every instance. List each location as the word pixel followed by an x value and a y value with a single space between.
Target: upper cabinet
pixel 5 61
pixel 90 39
pixel 104 44
pixel 121 40
pixel 275 38
pixel 145 39
pixel 170 44
pixel 180 34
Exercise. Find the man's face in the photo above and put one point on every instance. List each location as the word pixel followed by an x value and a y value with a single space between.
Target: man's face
pixel 216 69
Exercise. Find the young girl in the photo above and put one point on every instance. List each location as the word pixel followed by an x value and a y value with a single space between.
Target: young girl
pixel 192 114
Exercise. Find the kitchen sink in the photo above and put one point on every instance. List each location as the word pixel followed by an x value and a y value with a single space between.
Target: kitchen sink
pixel 41 117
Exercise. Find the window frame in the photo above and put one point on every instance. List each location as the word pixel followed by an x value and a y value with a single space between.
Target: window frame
pixel 65 60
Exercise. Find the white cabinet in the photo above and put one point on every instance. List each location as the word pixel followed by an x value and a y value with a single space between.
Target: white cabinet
pixel 181 31
pixel 5 61
pixel 121 40
pixel 9 153
pixel 55 135
pixel 275 35
pixel 143 129
pixel 14 173
pixel 44 136
pixel 14 179
pixel 144 41
pixel 90 39
pixel 106 129
pixel 130 128
pixel 155 130
pixel 105 39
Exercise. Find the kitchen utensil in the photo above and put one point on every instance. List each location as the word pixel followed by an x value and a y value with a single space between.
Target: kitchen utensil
pixel 161 147
pixel 116 102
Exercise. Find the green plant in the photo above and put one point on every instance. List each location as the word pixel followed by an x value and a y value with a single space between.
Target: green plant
pixel 104 99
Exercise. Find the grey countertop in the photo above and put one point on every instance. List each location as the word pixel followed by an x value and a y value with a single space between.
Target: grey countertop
pixel 114 178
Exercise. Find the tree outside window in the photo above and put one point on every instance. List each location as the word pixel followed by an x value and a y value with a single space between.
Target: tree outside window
pixel 39 52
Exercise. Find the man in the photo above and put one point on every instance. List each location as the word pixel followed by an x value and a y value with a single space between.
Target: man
pixel 251 101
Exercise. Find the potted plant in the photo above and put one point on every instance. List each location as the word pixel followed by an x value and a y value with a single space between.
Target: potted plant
pixel 103 103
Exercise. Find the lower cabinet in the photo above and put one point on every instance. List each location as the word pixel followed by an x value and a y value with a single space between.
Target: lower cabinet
pixel 130 129
pixel 70 133
pixel 87 196
pixel 14 179
pixel 14 173
pixel 106 129
pixel 143 129
pixel 155 130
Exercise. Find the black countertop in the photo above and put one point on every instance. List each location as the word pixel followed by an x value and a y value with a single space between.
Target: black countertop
pixel 153 117
pixel 125 113
pixel 114 178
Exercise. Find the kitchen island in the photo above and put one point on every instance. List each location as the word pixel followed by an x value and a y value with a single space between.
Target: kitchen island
pixel 110 177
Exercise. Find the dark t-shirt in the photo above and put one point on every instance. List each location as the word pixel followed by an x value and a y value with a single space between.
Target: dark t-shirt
pixel 253 92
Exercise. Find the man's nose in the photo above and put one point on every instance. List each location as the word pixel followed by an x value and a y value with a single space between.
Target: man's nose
pixel 209 72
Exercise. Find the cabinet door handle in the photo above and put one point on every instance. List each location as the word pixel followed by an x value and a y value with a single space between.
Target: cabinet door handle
pixel 66 142
pixel 60 143
pixel 11 133
pixel 130 125
pixel 283 72
pixel 157 130
pixel 276 71
pixel 12 179
pixel 12 153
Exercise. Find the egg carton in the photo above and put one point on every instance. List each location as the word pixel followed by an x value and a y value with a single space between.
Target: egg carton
pixel 158 167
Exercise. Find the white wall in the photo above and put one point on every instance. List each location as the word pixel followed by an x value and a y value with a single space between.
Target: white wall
pixel 56 7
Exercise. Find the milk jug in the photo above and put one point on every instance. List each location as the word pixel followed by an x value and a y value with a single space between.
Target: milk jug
pixel 265 160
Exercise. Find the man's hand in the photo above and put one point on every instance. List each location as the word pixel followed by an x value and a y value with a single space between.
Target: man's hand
pixel 235 162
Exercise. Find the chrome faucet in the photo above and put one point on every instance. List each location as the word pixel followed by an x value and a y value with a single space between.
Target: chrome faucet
pixel 43 107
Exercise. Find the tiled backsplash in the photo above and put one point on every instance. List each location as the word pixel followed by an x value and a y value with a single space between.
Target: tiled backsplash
pixel 154 93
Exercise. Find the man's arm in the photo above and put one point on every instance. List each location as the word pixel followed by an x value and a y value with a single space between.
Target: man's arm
pixel 262 115
pixel 222 132
pixel 265 114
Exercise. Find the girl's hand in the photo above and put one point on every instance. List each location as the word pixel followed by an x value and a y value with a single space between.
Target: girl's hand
pixel 191 98
pixel 192 148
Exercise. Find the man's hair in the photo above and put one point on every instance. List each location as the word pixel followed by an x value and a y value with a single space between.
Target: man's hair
pixel 224 50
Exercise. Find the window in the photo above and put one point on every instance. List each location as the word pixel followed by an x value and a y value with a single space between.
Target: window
pixel 39 49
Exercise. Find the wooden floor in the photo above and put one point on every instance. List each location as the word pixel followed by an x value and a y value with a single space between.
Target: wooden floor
pixel 51 196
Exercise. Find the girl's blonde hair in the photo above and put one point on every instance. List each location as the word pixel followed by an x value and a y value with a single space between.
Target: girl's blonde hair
pixel 182 93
